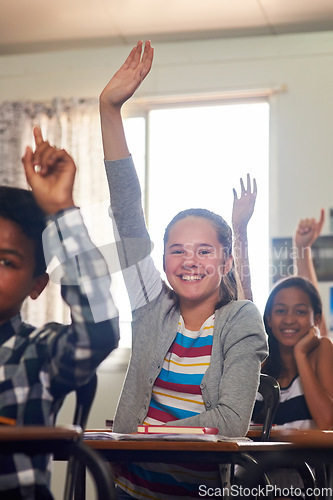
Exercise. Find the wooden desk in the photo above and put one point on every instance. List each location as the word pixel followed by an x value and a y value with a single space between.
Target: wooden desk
pixel 223 452
pixel 39 439
pixel 312 446
pixel 180 451
pixel 286 448
pixel 297 436
pixel 63 442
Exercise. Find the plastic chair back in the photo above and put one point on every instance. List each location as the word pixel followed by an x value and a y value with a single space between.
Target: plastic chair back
pixel 269 388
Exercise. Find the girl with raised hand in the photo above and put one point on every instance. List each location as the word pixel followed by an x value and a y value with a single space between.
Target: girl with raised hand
pixel 305 235
pixel 197 351
pixel 242 211
pixel 299 359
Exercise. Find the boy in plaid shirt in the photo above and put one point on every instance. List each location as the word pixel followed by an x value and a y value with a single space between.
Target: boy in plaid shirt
pixel 39 367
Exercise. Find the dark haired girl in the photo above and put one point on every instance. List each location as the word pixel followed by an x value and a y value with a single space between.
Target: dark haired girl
pixel 299 359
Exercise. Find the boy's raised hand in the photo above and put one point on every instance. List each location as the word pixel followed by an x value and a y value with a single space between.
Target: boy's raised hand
pixel 129 77
pixel 52 182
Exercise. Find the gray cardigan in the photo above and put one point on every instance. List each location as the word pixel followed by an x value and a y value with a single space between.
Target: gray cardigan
pixel 230 383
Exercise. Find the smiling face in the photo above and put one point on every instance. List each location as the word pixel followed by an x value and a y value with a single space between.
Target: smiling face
pixel 194 261
pixel 17 266
pixel 292 316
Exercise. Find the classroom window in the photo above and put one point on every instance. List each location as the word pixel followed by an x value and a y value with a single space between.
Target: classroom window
pixel 193 156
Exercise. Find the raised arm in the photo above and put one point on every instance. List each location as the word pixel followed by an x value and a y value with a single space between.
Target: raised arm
pixel 305 235
pixel 242 211
pixel 119 89
pixel 142 279
pixel 85 280
pixel 53 179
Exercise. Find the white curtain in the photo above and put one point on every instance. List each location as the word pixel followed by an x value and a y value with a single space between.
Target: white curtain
pixel 72 124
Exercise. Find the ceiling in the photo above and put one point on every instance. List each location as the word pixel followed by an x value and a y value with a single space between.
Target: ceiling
pixel 44 25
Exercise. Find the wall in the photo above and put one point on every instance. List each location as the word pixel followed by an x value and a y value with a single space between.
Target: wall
pixel 301 171
pixel 300 159
pixel 301 115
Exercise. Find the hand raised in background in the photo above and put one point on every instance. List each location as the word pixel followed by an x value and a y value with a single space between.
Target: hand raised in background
pixel 308 231
pixel 243 206
pixel 53 179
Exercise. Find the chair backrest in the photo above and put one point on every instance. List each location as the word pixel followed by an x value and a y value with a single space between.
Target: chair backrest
pixel 312 476
pixel 84 399
pixel 269 388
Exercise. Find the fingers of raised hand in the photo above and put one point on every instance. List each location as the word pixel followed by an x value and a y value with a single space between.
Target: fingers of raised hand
pixel 47 156
pixel 321 220
pixel 243 191
pixel 42 153
pixel 248 191
pixel 38 136
pixel 306 225
pixel 27 161
pixel 136 54
pixel 139 62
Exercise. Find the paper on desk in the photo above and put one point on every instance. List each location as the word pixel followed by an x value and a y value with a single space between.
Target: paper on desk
pixel 116 436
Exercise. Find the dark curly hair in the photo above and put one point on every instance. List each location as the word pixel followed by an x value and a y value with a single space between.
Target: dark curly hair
pixel 19 206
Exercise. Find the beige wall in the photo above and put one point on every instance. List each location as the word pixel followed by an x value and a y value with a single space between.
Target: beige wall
pixel 301 115
pixel 301 173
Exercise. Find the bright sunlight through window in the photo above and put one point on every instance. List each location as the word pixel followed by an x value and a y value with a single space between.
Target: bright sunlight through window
pixel 196 157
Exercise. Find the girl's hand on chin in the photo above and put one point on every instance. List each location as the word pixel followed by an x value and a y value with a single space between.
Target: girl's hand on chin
pixel 309 342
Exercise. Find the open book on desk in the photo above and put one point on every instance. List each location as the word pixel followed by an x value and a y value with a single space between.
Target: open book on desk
pixel 100 435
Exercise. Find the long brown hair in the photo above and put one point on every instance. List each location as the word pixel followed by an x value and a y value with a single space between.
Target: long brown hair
pixel 228 288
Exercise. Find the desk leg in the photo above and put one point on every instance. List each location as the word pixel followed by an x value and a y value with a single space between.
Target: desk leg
pixel 80 483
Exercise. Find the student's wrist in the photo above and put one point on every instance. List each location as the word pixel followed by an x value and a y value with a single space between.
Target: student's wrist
pixel 108 109
pixel 303 252
pixel 51 217
pixel 54 209
pixel 240 231
pixel 301 356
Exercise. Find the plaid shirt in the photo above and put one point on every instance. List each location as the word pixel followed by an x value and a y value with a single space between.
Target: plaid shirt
pixel 38 367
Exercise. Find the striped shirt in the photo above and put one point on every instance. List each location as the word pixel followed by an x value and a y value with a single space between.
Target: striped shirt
pixel 292 412
pixel 176 394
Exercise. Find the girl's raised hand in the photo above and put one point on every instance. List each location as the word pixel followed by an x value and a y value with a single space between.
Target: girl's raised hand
pixel 129 77
pixel 308 231
pixel 243 206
